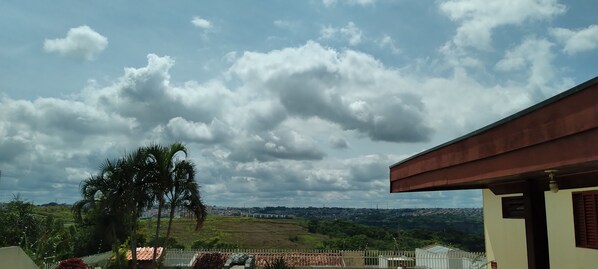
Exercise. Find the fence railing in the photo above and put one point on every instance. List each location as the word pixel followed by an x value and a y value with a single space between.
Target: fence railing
pixel 304 258
pixel 177 258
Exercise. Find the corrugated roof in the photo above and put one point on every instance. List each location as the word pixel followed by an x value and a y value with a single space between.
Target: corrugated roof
pixel 438 249
pixel 100 259
pixel 145 253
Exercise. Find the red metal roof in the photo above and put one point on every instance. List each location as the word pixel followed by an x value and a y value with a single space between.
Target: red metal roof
pixel 145 254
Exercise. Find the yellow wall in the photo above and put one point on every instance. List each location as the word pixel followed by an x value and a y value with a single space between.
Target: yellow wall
pixel 505 238
pixel 15 258
pixel 561 234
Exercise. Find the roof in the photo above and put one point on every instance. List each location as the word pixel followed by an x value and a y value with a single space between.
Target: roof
pixel 519 114
pixel 100 259
pixel 297 259
pixel 438 249
pixel 145 253
pixel 558 133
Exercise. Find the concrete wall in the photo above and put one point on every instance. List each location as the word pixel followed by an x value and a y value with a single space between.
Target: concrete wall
pixel 561 233
pixel 505 238
pixel 15 258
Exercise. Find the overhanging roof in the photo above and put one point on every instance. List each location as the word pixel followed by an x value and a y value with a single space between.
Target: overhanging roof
pixel 558 133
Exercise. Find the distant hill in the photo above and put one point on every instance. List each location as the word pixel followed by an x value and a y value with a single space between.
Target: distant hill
pixel 347 228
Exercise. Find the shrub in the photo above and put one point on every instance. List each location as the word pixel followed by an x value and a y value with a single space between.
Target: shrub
pixel 212 243
pixel 214 260
pixel 73 263
pixel 278 263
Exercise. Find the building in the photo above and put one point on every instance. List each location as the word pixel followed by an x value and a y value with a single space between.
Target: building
pixel 145 257
pixel 538 171
pixel 442 257
pixel 14 257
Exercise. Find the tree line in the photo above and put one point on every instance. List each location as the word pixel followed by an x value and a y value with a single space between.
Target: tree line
pixel 348 235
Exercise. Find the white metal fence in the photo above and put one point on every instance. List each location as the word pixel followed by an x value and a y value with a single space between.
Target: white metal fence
pixel 177 258
pixel 309 258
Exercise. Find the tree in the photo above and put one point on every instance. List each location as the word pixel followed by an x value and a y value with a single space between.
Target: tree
pixel 121 191
pixel 115 198
pixel 169 174
pixel 184 193
pixel 41 237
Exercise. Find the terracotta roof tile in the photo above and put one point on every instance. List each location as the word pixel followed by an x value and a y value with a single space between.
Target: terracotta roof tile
pixel 145 253
pixel 297 259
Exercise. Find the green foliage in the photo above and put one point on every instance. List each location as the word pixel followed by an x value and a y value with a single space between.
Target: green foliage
pixel 214 260
pixel 348 235
pixel 294 238
pixel 162 242
pixel 212 243
pixel 278 263
pixel 119 261
pixel 43 238
pixel 18 224
pixel 113 199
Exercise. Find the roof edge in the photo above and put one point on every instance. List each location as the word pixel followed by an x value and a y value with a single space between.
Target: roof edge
pixel 562 95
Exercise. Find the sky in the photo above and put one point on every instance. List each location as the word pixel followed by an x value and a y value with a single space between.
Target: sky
pixel 280 103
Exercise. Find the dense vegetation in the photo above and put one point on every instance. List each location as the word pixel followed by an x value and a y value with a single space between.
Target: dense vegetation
pixel 42 237
pixel 346 234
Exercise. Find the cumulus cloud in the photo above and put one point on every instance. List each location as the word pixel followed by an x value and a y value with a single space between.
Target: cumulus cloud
pixel 534 56
pixel 478 18
pixel 349 32
pixel 201 23
pixel 263 129
pixel 576 41
pixel 312 81
pixel 339 142
pixel 80 42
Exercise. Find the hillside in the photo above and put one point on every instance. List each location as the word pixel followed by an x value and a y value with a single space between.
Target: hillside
pixel 321 228
pixel 243 232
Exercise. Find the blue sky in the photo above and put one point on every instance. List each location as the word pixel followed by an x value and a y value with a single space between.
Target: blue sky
pixel 293 103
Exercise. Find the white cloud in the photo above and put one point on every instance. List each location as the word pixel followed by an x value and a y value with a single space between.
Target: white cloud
pixel 269 124
pixel 577 41
pixel 350 32
pixel 201 23
pixel 329 3
pixel 387 42
pixel 478 18
pixel 80 42
pixel 350 89
pixel 535 57
pixel 285 24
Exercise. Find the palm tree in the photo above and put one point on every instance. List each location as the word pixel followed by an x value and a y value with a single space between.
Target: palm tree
pixel 184 192
pixel 163 162
pixel 121 190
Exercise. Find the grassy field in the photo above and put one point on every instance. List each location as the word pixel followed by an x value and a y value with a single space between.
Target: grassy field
pixel 61 212
pixel 245 232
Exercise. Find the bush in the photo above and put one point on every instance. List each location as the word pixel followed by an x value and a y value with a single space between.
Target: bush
pixel 172 243
pixel 214 260
pixel 212 243
pixel 73 263
pixel 278 263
